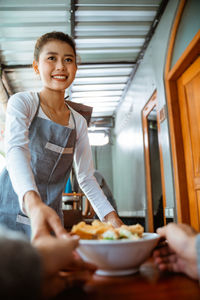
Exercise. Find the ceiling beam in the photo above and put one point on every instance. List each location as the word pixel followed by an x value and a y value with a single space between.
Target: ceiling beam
pixel 143 49
pixel 73 8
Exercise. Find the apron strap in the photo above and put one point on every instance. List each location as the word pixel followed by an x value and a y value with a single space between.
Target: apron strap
pixel 84 110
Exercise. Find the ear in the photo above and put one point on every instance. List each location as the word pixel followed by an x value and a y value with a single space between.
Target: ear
pixel 35 67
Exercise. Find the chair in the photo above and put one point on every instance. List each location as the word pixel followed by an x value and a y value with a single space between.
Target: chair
pixel 88 212
pixel 73 199
pixel 76 208
pixel 72 209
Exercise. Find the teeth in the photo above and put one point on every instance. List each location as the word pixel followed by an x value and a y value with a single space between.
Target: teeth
pixel 59 77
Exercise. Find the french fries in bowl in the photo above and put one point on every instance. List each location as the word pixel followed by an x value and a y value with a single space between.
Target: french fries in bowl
pixel 115 251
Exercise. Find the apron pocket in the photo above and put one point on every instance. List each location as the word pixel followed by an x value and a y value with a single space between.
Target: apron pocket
pixel 23 220
pixel 59 149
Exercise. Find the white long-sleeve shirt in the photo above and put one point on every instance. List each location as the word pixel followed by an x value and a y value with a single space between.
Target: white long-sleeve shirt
pixel 21 110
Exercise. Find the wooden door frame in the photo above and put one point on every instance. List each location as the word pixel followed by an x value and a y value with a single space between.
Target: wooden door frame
pixel 150 105
pixel 171 76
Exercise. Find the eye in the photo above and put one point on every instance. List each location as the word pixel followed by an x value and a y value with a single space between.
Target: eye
pixel 68 59
pixel 51 58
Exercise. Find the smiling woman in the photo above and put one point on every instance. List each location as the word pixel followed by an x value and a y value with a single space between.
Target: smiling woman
pixel 44 136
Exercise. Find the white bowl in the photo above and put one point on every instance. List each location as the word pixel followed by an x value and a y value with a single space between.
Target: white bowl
pixel 118 257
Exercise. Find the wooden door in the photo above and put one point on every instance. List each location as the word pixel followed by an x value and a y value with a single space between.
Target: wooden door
pixel 189 103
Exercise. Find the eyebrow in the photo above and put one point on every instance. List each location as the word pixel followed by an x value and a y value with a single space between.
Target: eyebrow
pixel 55 53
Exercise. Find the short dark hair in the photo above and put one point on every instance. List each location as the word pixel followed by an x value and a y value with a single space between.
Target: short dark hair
pixel 54 35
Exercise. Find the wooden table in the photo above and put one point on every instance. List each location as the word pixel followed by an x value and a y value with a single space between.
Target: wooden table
pixel 148 283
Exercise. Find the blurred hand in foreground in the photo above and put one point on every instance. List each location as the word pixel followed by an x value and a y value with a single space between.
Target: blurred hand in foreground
pixel 179 253
pixel 62 267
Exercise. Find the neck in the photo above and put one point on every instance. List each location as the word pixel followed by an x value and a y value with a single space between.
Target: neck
pixel 52 99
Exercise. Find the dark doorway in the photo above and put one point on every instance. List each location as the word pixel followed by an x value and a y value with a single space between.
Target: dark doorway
pixel 155 170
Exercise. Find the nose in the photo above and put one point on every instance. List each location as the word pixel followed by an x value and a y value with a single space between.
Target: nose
pixel 60 64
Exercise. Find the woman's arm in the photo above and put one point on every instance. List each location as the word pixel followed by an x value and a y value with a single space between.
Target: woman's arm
pixel 20 112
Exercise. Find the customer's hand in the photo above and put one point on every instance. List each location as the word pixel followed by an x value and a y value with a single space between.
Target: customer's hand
pixel 179 253
pixel 62 267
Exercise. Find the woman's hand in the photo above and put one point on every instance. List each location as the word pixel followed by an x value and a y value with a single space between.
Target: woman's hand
pixel 114 219
pixel 44 220
pixel 62 267
pixel 179 253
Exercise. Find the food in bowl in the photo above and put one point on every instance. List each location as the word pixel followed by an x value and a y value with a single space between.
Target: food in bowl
pixel 105 231
pixel 115 252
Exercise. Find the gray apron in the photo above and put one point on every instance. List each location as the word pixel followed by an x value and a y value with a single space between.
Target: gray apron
pixel 52 147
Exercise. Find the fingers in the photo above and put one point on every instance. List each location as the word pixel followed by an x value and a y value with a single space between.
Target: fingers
pixel 74 277
pixel 168 262
pixel 163 251
pixel 60 247
pixel 57 227
pixel 46 224
pixel 166 259
pixel 161 231
pixel 79 264
pixel 68 242
pixel 56 253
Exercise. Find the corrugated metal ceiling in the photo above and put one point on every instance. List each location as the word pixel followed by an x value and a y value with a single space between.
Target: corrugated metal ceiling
pixel 109 34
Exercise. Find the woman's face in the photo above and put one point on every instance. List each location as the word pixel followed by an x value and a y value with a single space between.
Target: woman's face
pixel 57 65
